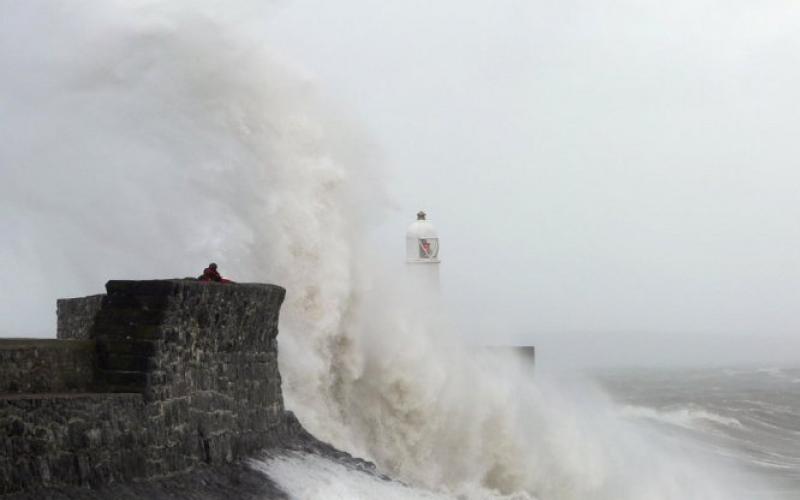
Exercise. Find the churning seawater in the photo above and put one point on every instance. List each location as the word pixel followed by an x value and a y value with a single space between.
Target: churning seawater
pixel 746 417
pixel 150 135
pixel 743 424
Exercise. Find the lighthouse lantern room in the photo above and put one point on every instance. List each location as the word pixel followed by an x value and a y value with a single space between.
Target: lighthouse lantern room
pixel 422 242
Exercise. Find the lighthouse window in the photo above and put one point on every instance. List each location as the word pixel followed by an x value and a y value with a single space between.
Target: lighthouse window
pixel 428 248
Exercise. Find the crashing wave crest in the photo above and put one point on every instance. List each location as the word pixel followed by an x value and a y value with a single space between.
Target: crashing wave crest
pixel 154 136
pixel 689 418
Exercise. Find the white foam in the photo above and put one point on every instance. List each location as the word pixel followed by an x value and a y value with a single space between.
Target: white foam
pixel 689 418
pixel 306 476
pixel 164 138
pixel 773 371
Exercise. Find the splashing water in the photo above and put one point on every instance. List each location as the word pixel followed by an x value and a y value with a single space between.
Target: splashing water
pixel 143 140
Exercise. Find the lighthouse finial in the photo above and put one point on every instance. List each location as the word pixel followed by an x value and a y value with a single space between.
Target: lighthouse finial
pixel 421 215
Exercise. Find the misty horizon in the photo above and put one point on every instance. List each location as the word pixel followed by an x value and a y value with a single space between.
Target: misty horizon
pixel 613 183
pixel 617 177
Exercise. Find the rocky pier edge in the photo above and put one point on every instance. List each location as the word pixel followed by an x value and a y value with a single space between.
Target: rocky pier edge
pixel 158 389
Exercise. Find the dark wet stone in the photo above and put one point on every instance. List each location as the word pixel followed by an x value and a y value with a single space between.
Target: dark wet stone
pixel 174 384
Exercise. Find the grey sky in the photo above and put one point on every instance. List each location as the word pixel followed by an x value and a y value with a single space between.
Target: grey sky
pixel 594 167
pixel 615 179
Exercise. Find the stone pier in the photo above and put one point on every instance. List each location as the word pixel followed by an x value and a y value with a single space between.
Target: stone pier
pixel 152 379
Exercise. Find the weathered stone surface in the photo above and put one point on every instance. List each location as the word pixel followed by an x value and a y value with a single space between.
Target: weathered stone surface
pixel 194 368
pixel 46 365
pixel 210 373
pixel 81 439
pixel 76 316
pixel 210 482
pixel 221 482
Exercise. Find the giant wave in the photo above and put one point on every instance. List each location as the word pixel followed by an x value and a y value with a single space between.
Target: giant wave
pixel 149 136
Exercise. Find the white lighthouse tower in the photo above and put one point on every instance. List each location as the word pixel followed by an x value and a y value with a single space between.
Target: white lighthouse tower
pixel 422 254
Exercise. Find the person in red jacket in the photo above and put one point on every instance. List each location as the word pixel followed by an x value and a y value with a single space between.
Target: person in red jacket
pixel 211 274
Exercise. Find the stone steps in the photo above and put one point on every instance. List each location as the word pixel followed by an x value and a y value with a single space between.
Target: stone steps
pixel 134 381
pixel 123 365
pixel 126 330
pixel 127 346
pixel 129 334
pixel 125 362
pixel 132 315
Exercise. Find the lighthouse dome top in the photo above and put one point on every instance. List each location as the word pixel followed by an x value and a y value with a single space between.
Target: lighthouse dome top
pixel 422 241
pixel 421 228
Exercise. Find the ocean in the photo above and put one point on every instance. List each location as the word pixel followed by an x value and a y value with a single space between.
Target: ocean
pixel 180 137
pixel 742 424
pixel 747 418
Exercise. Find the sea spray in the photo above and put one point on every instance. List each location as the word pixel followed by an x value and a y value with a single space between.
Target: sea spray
pixel 143 139
pixel 304 475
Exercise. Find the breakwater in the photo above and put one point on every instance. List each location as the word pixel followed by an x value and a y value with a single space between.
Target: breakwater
pixel 149 381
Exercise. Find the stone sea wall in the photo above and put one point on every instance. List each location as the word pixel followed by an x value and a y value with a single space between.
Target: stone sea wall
pixel 173 375
pixel 46 366
pixel 81 439
pixel 76 316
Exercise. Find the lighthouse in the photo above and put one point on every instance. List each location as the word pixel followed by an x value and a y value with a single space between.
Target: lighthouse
pixel 422 255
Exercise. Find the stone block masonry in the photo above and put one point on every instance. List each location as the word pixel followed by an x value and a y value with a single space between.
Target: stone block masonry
pixel 46 366
pixel 170 375
pixel 76 316
pixel 82 439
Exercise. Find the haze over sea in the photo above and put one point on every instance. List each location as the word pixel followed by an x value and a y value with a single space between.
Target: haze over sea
pixel 612 182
